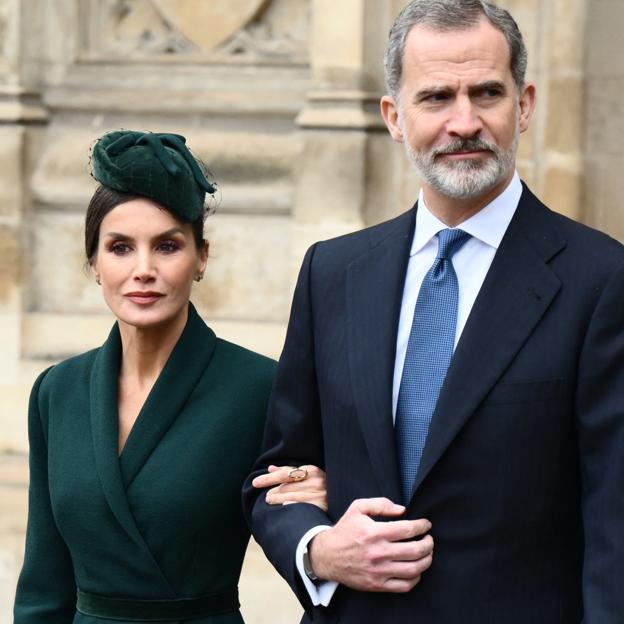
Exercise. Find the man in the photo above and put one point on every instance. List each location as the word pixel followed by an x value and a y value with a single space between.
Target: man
pixel 458 372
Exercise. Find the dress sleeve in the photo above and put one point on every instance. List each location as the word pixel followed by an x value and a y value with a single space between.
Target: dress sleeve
pixel 46 590
pixel 600 413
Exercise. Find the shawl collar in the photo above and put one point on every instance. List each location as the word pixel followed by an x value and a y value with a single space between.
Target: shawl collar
pixel 374 291
pixel 517 291
pixel 183 370
pixel 181 373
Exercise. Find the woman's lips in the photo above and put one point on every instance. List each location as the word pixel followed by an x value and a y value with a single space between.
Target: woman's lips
pixel 143 298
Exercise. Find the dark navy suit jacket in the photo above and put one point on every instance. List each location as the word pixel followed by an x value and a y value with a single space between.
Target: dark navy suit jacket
pixel 522 474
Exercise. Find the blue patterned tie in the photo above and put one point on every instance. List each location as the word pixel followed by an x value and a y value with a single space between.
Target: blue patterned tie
pixel 429 350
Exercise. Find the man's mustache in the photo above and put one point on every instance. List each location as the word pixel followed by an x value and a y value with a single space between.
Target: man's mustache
pixel 465 145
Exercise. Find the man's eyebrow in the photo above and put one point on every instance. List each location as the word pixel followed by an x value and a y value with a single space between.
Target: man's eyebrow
pixel 496 85
pixel 429 91
pixel 423 94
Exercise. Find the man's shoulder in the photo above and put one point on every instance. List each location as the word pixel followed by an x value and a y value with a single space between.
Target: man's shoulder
pixel 350 246
pixel 585 242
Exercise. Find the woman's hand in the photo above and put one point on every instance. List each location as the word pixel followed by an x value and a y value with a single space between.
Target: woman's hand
pixel 288 486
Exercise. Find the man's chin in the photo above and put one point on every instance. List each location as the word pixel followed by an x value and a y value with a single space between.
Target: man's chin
pixel 463 187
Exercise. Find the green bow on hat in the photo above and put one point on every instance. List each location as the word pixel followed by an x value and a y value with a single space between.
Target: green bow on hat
pixel 157 166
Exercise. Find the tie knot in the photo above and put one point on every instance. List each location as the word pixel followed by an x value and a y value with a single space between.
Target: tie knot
pixel 450 241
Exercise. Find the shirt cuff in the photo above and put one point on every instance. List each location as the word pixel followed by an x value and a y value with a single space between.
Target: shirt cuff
pixel 320 592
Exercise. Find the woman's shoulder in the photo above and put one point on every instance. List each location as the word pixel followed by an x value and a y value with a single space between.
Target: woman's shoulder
pixel 72 371
pixel 56 384
pixel 245 360
pixel 69 378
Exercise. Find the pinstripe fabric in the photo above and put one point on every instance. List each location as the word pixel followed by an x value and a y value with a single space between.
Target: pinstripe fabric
pixel 429 352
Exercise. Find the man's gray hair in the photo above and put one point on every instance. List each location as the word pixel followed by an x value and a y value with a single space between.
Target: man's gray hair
pixel 446 16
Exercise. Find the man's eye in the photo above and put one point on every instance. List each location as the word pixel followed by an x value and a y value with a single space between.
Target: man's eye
pixel 437 97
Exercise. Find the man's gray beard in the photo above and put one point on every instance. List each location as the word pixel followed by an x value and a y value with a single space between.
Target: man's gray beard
pixel 464 179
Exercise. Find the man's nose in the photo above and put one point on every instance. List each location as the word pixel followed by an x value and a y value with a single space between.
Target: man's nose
pixel 465 121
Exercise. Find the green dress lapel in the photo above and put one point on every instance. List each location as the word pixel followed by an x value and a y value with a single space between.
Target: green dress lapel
pixel 183 370
pixel 105 432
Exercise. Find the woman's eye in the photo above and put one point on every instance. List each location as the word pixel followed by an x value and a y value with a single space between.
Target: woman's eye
pixel 120 249
pixel 168 247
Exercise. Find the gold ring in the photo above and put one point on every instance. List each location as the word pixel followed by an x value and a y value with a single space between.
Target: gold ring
pixel 297 474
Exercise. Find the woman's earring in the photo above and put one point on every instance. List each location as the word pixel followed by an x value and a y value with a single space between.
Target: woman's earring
pixel 98 281
pixel 199 278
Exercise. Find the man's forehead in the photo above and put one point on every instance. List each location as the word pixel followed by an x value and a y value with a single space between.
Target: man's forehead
pixel 481 39
pixel 476 53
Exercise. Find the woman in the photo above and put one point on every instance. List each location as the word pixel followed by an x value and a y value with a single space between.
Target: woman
pixel 138 449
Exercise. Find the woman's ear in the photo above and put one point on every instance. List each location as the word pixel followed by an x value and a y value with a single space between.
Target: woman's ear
pixel 95 272
pixel 203 258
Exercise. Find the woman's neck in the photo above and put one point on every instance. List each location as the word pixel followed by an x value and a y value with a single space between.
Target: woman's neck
pixel 145 350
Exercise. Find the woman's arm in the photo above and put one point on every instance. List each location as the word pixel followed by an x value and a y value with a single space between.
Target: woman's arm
pixel 46 590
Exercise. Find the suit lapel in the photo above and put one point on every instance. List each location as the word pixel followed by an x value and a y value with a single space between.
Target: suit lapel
pixel 374 293
pixel 517 291
pixel 181 373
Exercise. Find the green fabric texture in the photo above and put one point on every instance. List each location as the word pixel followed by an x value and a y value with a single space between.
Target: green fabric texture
pixel 157 166
pixel 162 522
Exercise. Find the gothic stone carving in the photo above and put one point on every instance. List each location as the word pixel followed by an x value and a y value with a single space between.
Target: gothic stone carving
pixel 219 30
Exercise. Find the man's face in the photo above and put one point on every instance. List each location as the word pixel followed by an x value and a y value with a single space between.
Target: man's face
pixel 459 113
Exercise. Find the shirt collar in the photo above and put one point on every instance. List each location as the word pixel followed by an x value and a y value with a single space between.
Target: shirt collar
pixel 488 225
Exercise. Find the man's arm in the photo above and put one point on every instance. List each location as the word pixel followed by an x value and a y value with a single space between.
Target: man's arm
pixel 293 437
pixel 600 413
pixel 358 551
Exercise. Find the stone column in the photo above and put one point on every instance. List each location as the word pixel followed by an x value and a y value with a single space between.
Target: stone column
pixel 551 152
pixel 21 114
pixel 604 118
pixel 340 125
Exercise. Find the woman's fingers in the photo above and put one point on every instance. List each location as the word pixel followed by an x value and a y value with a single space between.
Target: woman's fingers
pixel 278 475
pixel 275 476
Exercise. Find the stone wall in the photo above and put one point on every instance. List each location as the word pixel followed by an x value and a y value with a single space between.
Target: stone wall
pixel 279 98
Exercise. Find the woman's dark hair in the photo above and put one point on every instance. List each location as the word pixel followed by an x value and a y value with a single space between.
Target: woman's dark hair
pixel 103 201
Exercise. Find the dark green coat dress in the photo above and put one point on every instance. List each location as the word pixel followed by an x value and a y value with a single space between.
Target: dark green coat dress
pixel 163 521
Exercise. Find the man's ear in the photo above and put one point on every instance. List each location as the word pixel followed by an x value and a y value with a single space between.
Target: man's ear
pixel 390 114
pixel 527 105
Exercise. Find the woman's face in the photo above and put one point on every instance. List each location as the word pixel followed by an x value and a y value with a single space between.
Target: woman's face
pixel 146 261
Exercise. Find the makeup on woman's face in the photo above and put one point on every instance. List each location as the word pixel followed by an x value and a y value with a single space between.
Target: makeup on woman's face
pixel 146 262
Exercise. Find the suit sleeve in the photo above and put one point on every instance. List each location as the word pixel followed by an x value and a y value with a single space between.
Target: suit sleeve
pixel 46 590
pixel 294 437
pixel 600 405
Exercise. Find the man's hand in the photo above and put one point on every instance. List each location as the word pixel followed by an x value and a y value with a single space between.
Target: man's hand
pixel 373 556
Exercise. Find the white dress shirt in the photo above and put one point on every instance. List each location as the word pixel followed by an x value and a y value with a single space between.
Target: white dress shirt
pixel 471 263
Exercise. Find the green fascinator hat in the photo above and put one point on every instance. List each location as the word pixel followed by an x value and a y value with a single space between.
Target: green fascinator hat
pixel 157 166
